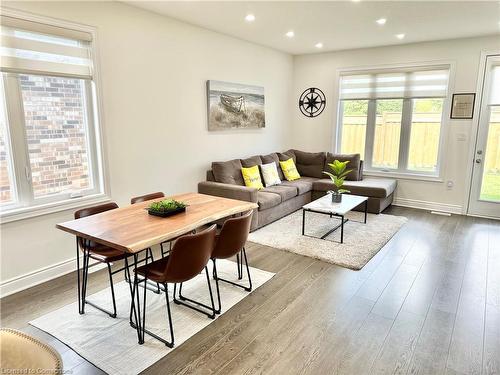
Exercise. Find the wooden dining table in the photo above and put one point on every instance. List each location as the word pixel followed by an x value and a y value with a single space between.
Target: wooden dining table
pixel 131 229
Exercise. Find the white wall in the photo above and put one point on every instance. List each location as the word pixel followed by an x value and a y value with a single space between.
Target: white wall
pixel 320 70
pixel 153 74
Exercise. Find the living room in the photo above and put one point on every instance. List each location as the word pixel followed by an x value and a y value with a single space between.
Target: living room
pixel 194 100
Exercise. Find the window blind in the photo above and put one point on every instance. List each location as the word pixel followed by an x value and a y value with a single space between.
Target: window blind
pixel 430 83
pixel 494 97
pixel 35 48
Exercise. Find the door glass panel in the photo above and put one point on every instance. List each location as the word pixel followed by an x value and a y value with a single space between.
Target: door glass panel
pixel 387 133
pixel 424 134
pixel 354 119
pixel 490 185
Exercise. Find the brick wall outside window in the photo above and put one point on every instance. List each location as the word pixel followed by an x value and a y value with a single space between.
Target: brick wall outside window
pixel 54 110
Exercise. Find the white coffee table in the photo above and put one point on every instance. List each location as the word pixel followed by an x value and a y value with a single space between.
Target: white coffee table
pixel 324 205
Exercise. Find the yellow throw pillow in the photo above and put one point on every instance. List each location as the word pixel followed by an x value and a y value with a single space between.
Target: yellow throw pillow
pixel 289 170
pixel 252 177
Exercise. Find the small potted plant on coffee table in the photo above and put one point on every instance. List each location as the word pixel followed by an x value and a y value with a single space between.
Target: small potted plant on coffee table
pixel 166 207
pixel 338 175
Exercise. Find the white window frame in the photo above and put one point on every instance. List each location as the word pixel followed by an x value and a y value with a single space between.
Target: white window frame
pixel 401 171
pixel 18 146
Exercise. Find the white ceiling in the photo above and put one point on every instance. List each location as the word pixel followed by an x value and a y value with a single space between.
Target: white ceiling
pixel 337 24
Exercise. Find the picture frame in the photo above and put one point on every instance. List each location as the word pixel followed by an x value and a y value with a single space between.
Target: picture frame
pixel 234 106
pixel 462 106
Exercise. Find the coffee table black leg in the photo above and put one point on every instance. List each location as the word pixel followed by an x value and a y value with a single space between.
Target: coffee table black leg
pixel 366 209
pixel 303 221
pixel 342 229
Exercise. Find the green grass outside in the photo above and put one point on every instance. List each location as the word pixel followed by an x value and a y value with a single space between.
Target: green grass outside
pixel 491 187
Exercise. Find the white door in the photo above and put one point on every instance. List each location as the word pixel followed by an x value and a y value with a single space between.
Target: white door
pixel 484 199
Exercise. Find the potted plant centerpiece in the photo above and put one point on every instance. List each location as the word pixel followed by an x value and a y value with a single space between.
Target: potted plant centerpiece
pixel 338 175
pixel 166 207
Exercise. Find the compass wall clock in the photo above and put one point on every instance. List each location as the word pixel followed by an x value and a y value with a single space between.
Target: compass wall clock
pixel 312 102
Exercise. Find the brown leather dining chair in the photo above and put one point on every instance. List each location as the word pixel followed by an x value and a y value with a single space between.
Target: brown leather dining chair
pixel 230 242
pixel 148 197
pixel 98 252
pixel 189 256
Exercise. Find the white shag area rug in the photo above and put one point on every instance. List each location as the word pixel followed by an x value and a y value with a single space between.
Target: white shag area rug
pixel 361 241
pixel 111 344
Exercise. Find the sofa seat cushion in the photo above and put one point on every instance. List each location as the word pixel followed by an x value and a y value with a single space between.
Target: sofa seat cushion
pixel 267 200
pixel 285 192
pixel 228 172
pixel 354 164
pixel 303 185
pixel 310 164
pixel 368 187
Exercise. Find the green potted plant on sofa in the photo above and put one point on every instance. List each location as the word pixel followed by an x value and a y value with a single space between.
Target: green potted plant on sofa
pixel 338 175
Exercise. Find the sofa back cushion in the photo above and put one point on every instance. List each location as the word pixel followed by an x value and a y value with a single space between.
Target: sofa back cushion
pixel 284 156
pixel 310 164
pixel 251 161
pixel 354 164
pixel 266 159
pixel 228 172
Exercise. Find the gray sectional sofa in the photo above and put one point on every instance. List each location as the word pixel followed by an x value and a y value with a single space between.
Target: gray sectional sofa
pixel 225 180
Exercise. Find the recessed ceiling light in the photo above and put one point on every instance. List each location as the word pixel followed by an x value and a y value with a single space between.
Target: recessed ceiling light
pixel 381 21
pixel 290 34
pixel 355 1
pixel 400 36
pixel 250 18
pixel 318 45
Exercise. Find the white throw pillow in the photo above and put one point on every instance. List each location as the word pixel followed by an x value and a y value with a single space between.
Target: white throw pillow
pixel 270 174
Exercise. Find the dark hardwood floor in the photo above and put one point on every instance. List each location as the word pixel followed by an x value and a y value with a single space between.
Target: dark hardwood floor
pixel 427 303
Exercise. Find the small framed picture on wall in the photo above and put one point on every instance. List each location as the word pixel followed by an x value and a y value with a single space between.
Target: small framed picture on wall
pixel 462 106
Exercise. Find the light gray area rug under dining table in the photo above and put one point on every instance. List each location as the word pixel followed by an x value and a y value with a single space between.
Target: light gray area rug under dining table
pixel 111 344
pixel 361 241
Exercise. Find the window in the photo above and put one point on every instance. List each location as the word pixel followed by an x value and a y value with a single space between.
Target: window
pixel 425 133
pixel 387 133
pixel 354 120
pixel 7 184
pixel 394 119
pixel 48 136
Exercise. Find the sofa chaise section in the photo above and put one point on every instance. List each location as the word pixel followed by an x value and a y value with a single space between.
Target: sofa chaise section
pixel 379 190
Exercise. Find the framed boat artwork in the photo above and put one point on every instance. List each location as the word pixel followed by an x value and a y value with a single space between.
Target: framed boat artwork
pixel 235 106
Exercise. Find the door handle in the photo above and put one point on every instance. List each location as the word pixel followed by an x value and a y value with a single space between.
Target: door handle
pixel 478 161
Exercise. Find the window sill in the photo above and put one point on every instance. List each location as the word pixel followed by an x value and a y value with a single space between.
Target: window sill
pixel 50 208
pixel 403 176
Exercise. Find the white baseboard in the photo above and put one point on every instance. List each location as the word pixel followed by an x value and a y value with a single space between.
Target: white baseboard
pixel 427 205
pixel 485 217
pixel 18 283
